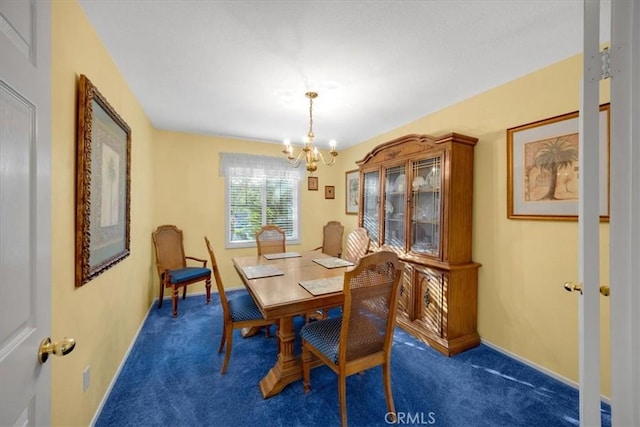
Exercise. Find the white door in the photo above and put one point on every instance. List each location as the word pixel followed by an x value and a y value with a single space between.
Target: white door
pixel 624 214
pixel 588 222
pixel 25 210
pixel 625 209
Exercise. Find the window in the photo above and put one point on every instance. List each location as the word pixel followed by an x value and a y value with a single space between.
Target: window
pixel 259 190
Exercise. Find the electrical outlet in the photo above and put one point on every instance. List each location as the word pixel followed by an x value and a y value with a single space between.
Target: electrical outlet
pixel 86 378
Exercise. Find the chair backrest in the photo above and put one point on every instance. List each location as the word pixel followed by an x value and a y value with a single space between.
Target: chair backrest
pixel 270 239
pixel 357 244
pixel 168 242
pixel 371 291
pixel 218 279
pixel 332 234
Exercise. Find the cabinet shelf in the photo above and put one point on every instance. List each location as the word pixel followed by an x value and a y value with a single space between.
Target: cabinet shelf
pixel 438 302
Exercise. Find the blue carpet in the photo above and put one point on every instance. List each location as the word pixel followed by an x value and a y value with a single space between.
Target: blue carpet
pixel 172 378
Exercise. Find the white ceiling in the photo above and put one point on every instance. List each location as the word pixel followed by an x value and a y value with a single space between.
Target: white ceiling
pixel 241 68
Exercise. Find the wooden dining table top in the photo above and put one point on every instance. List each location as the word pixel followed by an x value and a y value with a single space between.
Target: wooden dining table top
pixel 283 296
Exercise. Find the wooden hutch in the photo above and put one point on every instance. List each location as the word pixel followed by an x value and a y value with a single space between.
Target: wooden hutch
pixel 416 198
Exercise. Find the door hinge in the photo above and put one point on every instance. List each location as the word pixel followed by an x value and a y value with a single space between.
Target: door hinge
pixel 605 56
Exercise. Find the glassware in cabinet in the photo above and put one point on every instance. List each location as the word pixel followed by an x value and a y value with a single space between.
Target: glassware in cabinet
pixel 394 206
pixel 371 203
pixel 426 206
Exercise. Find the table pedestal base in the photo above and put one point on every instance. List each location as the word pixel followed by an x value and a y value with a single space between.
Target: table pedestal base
pixel 288 367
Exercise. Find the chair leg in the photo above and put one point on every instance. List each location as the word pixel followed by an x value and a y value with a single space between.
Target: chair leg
pixel 306 370
pixel 184 292
pixel 228 331
pixel 386 377
pixel 342 397
pixel 222 338
pixel 161 293
pixel 208 287
pixel 174 300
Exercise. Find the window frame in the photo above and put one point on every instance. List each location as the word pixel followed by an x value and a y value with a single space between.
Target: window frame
pixel 252 243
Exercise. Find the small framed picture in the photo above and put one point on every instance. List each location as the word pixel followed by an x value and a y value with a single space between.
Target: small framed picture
pixel 352 185
pixel 312 183
pixel 329 192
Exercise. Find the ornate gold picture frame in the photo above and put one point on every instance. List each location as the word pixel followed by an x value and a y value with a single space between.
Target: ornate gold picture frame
pixel 103 185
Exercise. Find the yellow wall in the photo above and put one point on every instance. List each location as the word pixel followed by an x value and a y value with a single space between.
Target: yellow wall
pixel 104 315
pixel 522 307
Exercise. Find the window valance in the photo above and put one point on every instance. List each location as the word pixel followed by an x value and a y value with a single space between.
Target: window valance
pixel 254 166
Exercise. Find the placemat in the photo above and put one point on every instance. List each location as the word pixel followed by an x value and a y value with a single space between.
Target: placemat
pixel 324 286
pixel 333 262
pixel 282 255
pixel 260 271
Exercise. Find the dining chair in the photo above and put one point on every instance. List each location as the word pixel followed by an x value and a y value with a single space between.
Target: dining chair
pixel 238 312
pixel 332 234
pixel 171 264
pixel 358 242
pixel 270 239
pixel 361 338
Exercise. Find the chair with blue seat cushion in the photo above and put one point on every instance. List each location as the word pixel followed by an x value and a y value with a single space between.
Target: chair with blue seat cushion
pixel 361 338
pixel 239 312
pixel 171 263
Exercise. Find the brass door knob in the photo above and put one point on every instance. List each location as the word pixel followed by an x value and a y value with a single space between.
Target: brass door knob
pixel 59 348
pixel 573 286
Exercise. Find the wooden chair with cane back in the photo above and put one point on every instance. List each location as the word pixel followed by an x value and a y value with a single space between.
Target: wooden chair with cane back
pixel 361 338
pixel 239 312
pixel 358 243
pixel 171 264
pixel 332 234
pixel 270 239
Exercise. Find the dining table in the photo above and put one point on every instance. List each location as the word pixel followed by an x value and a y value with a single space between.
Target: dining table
pixel 277 284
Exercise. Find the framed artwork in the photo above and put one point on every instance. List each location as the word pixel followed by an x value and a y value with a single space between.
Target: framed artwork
pixel 543 169
pixel 312 183
pixel 103 185
pixel 329 192
pixel 352 191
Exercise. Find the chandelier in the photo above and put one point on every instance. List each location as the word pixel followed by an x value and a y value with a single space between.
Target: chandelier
pixel 309 153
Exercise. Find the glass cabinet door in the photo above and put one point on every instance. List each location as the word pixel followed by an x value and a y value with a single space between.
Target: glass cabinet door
pixel 395 191
pixel 426 206
pixel 371 204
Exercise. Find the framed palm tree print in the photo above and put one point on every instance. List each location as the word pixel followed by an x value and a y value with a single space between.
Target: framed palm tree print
pixel 103 185
pixel 543 168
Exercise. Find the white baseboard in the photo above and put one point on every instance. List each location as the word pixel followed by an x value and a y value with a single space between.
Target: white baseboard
pixel 539 368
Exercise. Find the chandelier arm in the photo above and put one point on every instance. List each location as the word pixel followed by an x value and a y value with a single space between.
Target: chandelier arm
pixel 331 162
pixel 295 161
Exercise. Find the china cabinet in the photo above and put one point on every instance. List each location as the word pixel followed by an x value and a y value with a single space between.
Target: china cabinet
pixel 416 198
